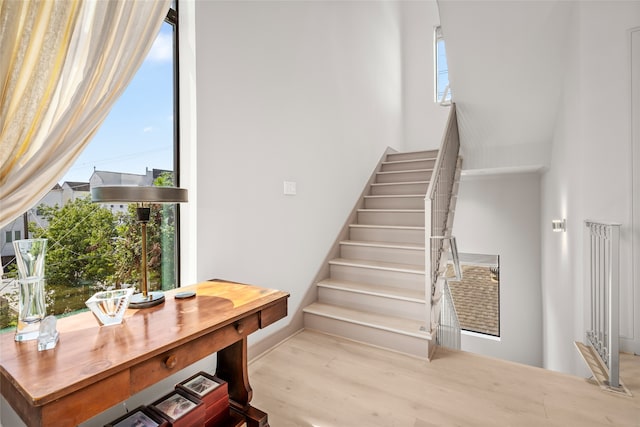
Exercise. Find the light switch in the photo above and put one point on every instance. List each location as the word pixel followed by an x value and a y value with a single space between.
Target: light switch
pixel 289 188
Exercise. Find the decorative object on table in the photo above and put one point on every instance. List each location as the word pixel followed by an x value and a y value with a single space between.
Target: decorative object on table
pixel 48 335
pixel 109 307
pixel 30 256
pixel 139 417
pixel 180 409
pixel 142 196
pixel 212 391
pixel 185 295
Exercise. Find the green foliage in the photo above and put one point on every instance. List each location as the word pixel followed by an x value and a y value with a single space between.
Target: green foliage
pixel 160 244
pixel 165 179
pixel 90 248
pixel 80 248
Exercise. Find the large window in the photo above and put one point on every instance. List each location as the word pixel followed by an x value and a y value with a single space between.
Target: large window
pixel 442 89
pixel 92 247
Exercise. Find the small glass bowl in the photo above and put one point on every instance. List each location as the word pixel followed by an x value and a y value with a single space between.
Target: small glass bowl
pixel 108 307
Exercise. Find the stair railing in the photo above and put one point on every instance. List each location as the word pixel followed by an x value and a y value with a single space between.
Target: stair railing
pixel 448 332
pixel 603 276
pixel 448 326
pixel 438 218
pixel 443 100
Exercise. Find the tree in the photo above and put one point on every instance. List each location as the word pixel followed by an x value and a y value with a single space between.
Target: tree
pixel 160 244
pixel 80 247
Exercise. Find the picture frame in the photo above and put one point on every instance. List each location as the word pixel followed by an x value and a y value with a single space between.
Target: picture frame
pixel 177 405
pixel 201 384
pixel 139 417
pixel 212 391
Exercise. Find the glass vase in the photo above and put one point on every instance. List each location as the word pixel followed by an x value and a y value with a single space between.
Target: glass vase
pixel 30 256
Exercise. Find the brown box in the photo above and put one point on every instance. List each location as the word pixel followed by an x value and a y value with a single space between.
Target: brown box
pixel 211 390
pixel 181 409
pixel 217 412
pixel 139 417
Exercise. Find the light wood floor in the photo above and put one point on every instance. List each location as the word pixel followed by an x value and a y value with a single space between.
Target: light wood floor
pixel 318 380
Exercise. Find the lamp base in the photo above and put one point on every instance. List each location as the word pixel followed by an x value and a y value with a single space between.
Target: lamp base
pixel 152 299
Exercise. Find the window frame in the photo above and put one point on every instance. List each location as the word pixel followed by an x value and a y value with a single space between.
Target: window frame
pixel 172 19
pixel 437 38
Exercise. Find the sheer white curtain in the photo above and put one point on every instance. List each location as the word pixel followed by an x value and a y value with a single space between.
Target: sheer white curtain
pixel 63 64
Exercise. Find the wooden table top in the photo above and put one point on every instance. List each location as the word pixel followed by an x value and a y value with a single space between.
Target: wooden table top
pixel 87 353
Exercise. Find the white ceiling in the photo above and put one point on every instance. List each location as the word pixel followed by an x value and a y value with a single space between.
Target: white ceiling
pixel 506 69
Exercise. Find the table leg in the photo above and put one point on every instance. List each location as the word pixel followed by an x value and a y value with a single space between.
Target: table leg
pixel 232 367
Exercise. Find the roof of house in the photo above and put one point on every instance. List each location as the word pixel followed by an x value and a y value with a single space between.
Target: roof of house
pixel 477 299
pixel 77 186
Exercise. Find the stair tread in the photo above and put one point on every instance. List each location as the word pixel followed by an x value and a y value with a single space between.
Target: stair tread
pixel 404 171
pixel 392 227
pixel 392 196
pixel 388 245
pixel 404 153
pixel 399 183
pixel 379 265
pixel 371 289
pixel 417 159
pixel 391 210
pixel 400 325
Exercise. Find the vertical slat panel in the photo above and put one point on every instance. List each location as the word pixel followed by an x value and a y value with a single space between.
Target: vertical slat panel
pixel 438 203
pixel 603 281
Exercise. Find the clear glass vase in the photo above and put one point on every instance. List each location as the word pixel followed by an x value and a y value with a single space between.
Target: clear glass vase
pixel 30 256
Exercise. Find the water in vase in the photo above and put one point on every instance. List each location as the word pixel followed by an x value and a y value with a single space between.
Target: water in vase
pixel 30 256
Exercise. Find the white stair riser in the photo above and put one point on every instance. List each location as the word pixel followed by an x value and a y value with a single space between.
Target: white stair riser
pixel 376 253
pixel 386 235
pixel 394 157
pixel 394 202
pixel 377 277
pixel 396 189
pixel 414 219
pixel 381 338
pixel 412 165
pixel 412 176
pixel 372 303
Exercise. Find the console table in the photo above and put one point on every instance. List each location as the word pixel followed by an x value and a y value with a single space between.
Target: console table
pixel 94 368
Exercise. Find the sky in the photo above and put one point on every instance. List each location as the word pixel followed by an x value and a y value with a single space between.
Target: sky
pixel 138 132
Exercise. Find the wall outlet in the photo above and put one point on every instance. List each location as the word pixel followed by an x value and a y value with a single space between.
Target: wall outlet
pixel 289 188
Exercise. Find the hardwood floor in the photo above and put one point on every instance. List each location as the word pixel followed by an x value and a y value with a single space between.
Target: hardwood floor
pixel 319 380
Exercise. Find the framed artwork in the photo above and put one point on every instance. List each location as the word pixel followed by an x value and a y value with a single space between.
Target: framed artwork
pixel 139 417
pixel 175 405
pixel 201 384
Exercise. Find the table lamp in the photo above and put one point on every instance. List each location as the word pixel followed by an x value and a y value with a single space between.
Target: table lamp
pixel 141 195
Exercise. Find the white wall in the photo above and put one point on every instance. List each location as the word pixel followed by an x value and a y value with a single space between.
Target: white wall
pixel 500 215
pixel 308 92
pixel 504 58
pixel 423 118
pixel 635 113
pixel 590 173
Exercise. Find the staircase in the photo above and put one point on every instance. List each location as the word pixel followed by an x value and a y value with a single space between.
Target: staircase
pixel 375 289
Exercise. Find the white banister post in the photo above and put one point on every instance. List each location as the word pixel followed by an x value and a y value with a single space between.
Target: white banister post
pixel 427 265
pixel 614 303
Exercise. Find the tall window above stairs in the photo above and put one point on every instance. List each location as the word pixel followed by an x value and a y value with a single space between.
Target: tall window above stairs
pixel 441 69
